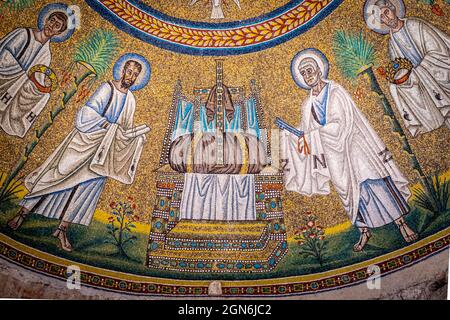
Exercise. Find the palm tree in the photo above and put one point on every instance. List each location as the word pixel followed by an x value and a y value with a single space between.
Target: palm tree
pixel 355 57
pixel 92 58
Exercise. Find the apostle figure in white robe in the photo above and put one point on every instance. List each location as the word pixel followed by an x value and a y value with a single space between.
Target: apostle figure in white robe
pixel 21 100
pixel 104 143
pixel 424 99
pixel 340 146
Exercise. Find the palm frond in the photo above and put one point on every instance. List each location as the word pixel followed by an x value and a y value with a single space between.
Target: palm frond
pixel 353 52
pixel 98 50
pixel 436 199
pixel 16 5
pixel 10 191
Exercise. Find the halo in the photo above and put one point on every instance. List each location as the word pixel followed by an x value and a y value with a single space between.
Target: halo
pixel 315 54
pixel 54 7
pixel 143 77
pixel 372 20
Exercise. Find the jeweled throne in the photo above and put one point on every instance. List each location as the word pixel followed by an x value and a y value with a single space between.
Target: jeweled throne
pixel 218 203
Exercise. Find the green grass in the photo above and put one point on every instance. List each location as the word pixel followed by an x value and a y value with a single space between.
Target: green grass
pixel 90 249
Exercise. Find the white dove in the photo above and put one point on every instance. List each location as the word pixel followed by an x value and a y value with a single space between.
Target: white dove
pixel 217 12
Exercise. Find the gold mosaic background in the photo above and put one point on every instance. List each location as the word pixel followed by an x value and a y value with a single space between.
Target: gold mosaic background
pixel 271 68
pixel 201 11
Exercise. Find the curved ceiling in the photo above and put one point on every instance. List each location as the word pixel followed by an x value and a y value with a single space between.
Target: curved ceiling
pixel 205 38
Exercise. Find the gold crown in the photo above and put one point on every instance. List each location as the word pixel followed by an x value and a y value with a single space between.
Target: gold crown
pixel 395 66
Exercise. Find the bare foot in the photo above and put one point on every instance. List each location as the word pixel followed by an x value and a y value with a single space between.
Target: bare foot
pixel 64 243
pixel 408 234
pixel 18 219
pixel 363 239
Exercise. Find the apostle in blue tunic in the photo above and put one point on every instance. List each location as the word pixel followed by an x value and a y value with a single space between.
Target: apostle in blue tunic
pixel 340 146
pixel 104 143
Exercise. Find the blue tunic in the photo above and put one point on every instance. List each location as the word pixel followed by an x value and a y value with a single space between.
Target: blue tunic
pixel 319 106
pixel 380 203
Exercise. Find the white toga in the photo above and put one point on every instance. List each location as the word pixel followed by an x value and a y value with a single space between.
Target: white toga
pixel 424 99
pixel 20 100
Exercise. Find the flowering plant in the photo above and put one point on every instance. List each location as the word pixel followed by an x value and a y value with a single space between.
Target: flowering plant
pixel 121 222
pixel 311 238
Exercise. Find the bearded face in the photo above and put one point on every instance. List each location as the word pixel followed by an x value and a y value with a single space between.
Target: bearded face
pixel 130 73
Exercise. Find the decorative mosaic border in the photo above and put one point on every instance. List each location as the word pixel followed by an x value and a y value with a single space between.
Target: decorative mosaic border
pixel 199 38
pixel 50 265
pixel 195 265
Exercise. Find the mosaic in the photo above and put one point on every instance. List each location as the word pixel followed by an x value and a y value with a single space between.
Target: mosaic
pixel 236 148
pixel 249 35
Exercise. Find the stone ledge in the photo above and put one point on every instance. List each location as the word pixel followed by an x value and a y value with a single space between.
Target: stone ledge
pixel 426 280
